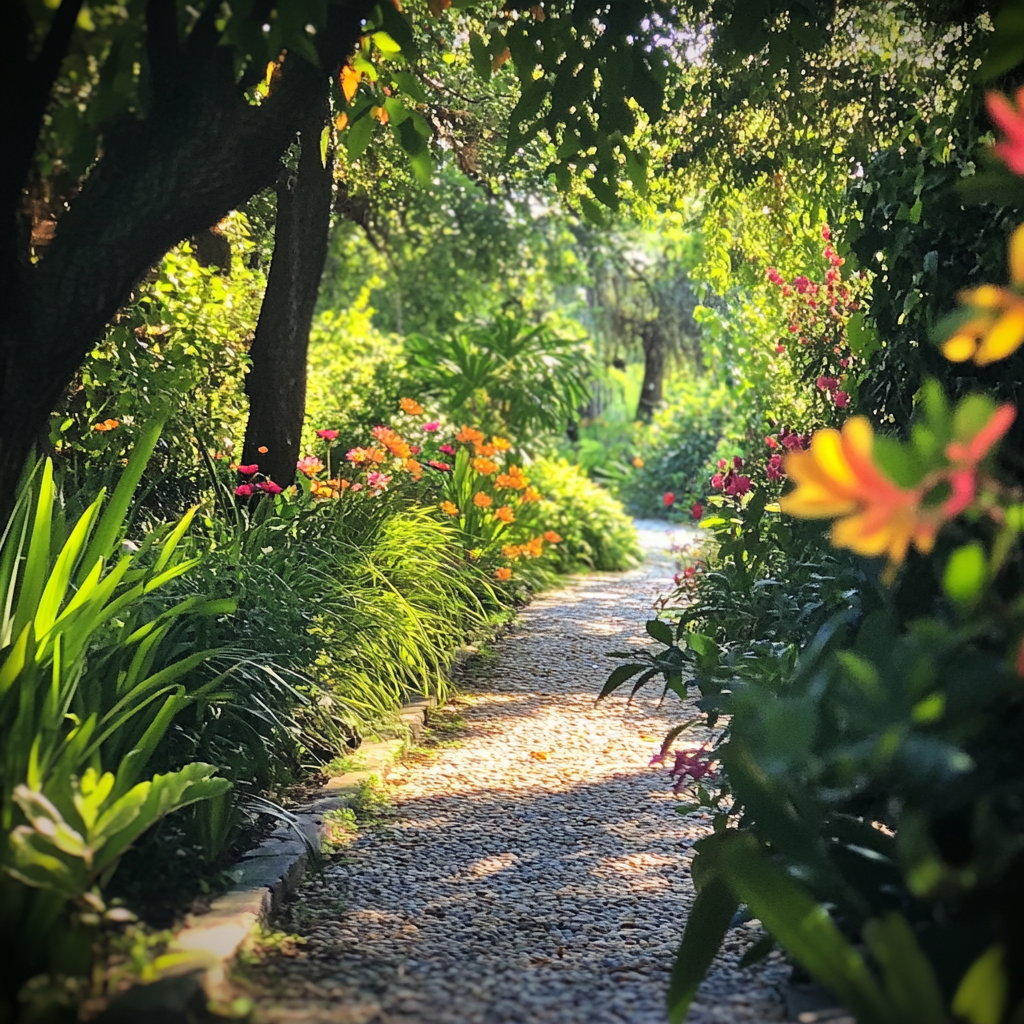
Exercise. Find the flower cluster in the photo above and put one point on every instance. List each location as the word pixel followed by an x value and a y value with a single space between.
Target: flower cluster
pixel 255 483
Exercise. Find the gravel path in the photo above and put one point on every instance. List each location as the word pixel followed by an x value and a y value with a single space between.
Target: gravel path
pixel 535 873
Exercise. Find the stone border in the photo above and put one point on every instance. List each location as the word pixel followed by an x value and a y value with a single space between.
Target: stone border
pixel 207 943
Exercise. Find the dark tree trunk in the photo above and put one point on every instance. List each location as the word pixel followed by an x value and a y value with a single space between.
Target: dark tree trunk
pixel 276 384
pixel 201 151
pixel 652 391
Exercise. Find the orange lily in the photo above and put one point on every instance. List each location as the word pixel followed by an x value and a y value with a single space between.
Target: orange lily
pixel 996 330
pixel 836 478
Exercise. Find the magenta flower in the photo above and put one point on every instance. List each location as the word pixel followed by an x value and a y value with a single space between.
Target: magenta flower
pixel 717 481
pixel 447 449
pixel 249 470
pixel 245 490
pixel 842 399
pixel 736 485
pixel 694 764
pixel 377 480
pixel 431 427
pixel 801 284
pixel 774 468
pixel 697 511
pixel 327 435
pixel 828 384
pixel 269 487
pixel 737 462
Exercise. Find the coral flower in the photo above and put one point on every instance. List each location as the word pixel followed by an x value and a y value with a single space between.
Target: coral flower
pixel 503 573
pixel 996 328
pixel 450 508
pixel 412 407
pixel 309 466
pixel 327 435
pixel 505 514
pixel 552 538
pixel 482 500
pixel 967 456
pixel 107 425
pixel 836 478
pixel 1010 120
pixel 485 466
pixel 502 444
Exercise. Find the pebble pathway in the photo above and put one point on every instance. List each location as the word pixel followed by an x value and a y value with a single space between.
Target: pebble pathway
pixel 537 873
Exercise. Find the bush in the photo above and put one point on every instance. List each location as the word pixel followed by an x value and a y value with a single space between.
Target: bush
pixel 595 529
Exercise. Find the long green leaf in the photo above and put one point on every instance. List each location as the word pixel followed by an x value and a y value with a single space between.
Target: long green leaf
pixel 37 562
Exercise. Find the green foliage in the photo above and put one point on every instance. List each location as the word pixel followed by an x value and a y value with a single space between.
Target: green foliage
pixel 506 376
pixel 595 530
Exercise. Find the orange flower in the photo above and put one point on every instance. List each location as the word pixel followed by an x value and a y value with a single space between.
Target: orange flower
pixel 996 328
pixel 413 467
pixel 552 538
pixel 410 406
pixel 485 466
pixel 486 450
pixel 504 573
pixel 501 443
pixel 638 463
pixel 511 550
pixel 505 514
pixel 531 494
pixel 380 114
pixel 393 441
pixel 106 425
pixel 534 548
pixel 450 508
pixel 482 500
pixel 263 449
pixel 468 435
pixel 837 479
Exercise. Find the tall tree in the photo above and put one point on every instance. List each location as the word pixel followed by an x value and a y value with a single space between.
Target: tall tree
pixel 276 384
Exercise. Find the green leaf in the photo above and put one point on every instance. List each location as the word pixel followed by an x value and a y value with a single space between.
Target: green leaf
pixel 660 631
pixel 618 676
pixel 981 995
pixel 481 58
pixel 706 925
pixel 358 136
pixel 325 138
pixel 965 573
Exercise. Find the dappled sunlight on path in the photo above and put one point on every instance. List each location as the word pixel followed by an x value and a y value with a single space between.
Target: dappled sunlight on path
pixel 537 871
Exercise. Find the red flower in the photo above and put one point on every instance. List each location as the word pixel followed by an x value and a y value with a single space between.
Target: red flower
pixel 774 468
pixel 442 466
pixel 668 499
pixel 327 435
pixel 697 511
pixel 802 284
pixel 717 481
pixel 825 233
pixel 780 348
pixel 245 490
pixel 792 440
pixel 269 487
pixel 737 462
pixel 771 442
pixel 736 485
pixel 415 449
pixel 249 470
pixel 774 276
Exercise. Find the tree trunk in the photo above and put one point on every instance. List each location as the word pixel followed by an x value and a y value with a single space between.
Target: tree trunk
pixel 652 391
pixel 201 151
pixel 276 384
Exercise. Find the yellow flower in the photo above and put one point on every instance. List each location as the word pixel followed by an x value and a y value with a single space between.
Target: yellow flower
pixel 836 478
pixel 638 463
pixel 505 514
pixel 485 466
pixel 552 538
pixel 482 500
pixel 450 507
pixel 996 330
pixel 504 573
pixel 500 443
pixel 410 406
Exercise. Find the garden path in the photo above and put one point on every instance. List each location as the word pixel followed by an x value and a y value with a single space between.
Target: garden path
pixel 536 872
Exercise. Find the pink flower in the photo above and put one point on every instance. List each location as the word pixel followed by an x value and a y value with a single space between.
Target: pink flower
pixel 697 511
pixel 828 384
pixel 447 449
pixel 774 276
pixel 357 487
pixel 378 481
pixel 309 466
pixel 737 462
pixel 270 487
pixel 793 328
pixel 431 427
pixel 825 233
pixel 668 499
pixel 444 467
pixel 717 481
pixel 792 440
pixel 736 485
pixel 249 470
pixel 774 468
pixel 327 435
pixel 245 490
pixel 722 463
pixel 842 399
pixel 695 764
pixel 780 348
pixel 802 284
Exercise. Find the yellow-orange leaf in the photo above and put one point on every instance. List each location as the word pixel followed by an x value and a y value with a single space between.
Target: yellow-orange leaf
pixel 349 81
